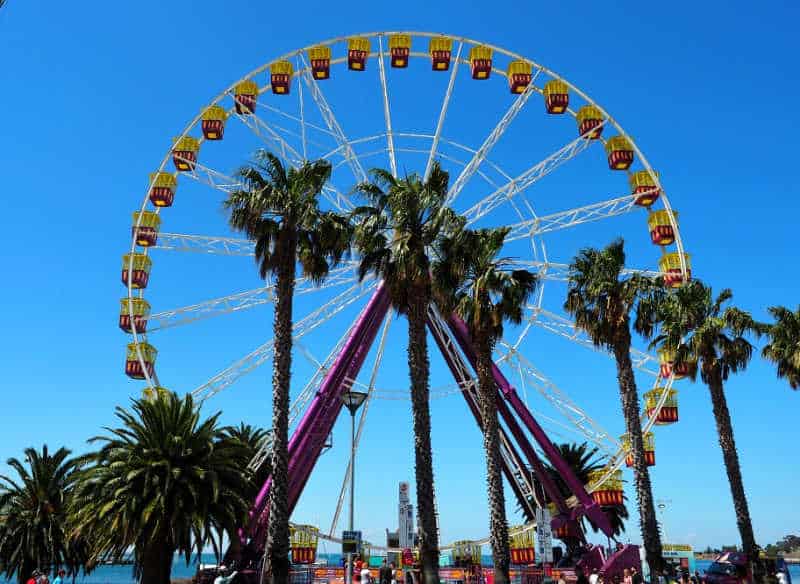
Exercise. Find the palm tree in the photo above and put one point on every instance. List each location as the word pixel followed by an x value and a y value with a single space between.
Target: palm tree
pixel 583 460
pixel 403 219
pixel 783 348
pixel 161 482
pixel 279 210
pixel 481 288
pixel 695 326
pixel 253 439
pixel 33 514
pixel 602 299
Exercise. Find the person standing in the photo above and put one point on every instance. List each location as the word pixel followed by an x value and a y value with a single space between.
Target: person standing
pixel 59 579
pixel 395 573
pixel 636 577
pixel 594 576
pixel 34 577
pixel 222 576
pixel 582 579
pixel 626 576
pixel 385 573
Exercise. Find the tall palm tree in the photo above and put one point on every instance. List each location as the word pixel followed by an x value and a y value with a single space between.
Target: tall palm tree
pixel 279 210
pixel 403 219
pixel 783 348
pixel 161 482
pixel 484 290
pixel 602 300
pixel 33 514
pixel 583 460
pixel 695 325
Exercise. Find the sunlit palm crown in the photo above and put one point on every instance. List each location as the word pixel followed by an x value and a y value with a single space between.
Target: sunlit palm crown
pixel 783 348
pixel 481 287
pixel 696 325
pixel 277 205
pixel 163 476
pixel 601 295
pixel 396 230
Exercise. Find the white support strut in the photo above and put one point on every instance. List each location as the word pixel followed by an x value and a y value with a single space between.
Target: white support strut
pixel 489 143
pixel 386 113
pixel 527 178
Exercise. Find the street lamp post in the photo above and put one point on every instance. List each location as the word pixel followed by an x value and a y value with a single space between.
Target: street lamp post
pixel 352 400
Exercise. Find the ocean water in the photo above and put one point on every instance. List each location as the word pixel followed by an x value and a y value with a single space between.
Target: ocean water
pixel 124 574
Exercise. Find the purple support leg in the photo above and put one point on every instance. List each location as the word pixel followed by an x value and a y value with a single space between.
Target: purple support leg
pixel 306 442
pixel 587 505
pixel 314 447
pixel 473 407
pixel 312 416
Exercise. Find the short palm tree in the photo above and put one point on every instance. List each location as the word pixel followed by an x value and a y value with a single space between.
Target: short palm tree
pixel 583 460
pixel 783 348
pixel 279 210
pixel 162 482
pixel 695 326
pixel 484 290
pixel 33 514
pixel 602 299
pixel 402 221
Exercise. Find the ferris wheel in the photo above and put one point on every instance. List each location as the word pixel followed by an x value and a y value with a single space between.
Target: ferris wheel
pixel 525 148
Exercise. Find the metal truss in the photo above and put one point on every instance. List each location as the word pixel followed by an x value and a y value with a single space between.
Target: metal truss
pixel 214 179
pixel 571 217
pixel 492 139
pixel 559 272
pixel 242 301
pixel 529 375
pixel 566 328
pixel 386 113
pixel 443 112
pixel 527 178
pixel 263 353
pixel 465 379
pixel 208 244
pixel 333 124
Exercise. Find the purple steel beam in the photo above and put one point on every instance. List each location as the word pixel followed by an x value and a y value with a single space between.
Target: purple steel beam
pixel 473 407
pixel 330 383
pixel 587 505
pixel 533 459
pixel 331 413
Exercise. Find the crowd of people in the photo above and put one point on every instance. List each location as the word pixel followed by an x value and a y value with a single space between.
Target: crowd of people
pixel 39 577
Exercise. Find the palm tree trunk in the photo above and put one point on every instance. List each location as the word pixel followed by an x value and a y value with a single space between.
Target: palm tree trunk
pixel 419 368
pixel 278 534
pixel 644 490
pixel 157 561
pixel 731 458
pixel 498 525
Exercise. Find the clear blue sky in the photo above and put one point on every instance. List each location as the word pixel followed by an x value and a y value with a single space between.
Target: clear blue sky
pixel 93 92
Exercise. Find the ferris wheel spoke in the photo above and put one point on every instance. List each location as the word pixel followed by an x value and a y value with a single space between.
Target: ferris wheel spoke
pixel 241 301
pixel 260 355
pixel 213 178
pixel 301 105
pixel 205 244
pixel 559 272
pixel 571 217
pixel 443 112
pixel 580 420
pixel 529 177
pixel 490 141
pixel 386 112
pixel 333 124
pixel 564 327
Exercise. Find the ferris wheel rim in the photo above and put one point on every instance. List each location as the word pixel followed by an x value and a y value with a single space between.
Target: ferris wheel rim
pixel 152 380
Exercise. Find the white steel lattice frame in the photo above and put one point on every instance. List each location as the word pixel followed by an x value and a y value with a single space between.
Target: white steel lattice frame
pixel 527 228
